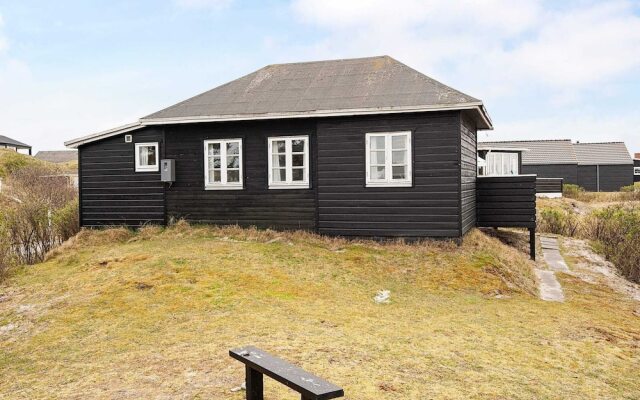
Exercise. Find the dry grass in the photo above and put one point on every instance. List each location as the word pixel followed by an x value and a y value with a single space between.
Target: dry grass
pixel 114 314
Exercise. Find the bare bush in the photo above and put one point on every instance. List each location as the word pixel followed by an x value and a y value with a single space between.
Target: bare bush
pixel 614 229
pixel 43 214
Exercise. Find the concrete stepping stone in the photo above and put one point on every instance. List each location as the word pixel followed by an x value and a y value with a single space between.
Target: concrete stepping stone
pixel 550 288
pixel 552 256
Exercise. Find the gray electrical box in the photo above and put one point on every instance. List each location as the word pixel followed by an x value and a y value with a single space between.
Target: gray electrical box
pixel 168 170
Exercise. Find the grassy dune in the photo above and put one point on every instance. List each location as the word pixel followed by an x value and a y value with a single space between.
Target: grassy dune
pixel 114 314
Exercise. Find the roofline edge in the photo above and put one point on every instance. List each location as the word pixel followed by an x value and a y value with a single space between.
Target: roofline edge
pixel 143 122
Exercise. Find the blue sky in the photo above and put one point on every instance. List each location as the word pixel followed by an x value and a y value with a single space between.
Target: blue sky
pixel 545 69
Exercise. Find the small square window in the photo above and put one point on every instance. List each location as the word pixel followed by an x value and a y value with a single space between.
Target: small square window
pixel 636 171
pixel 388 158
pixel 223 164
pixel 146 157
pixel 289 162
pixel 128 138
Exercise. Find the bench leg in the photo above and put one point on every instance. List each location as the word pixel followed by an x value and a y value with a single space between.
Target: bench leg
pixel 255 385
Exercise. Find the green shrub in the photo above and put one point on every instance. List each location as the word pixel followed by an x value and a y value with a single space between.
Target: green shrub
pixel 558 221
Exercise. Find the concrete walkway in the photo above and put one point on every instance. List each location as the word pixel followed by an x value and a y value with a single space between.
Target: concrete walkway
pixel 550 288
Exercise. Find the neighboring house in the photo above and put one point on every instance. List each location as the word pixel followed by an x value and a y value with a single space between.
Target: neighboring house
pixel 57 156
pixel 494 160
pixel 12 144
pixel 636 167
pixel 544 158
pixel 603 167
pixel 358 147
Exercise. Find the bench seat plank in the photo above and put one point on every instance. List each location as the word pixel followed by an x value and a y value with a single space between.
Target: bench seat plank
pixel 288 374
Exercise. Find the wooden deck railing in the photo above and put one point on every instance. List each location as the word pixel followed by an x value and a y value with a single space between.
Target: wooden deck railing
pixel 508 202
pixel 549 185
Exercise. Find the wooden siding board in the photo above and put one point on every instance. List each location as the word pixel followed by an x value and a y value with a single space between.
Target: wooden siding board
pixel 346 207
pixel 256 204
pixel 111 192
pixel 568 172
pixel 612 177
pixel 468 172
pixel 498 208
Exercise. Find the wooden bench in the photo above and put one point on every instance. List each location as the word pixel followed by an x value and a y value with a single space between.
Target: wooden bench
pixel 259 363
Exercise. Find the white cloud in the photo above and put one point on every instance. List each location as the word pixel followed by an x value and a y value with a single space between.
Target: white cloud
pixel 505 43
pixel 210 4
pixel 4 44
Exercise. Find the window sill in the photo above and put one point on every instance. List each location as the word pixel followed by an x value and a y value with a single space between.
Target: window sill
pixel 389 184
pixel 147 169
pixel 298 186
pixel 224 188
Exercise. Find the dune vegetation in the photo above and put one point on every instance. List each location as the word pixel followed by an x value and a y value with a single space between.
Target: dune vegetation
pixel 152 314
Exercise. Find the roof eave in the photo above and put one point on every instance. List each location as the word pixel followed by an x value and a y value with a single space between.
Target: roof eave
pixel 477 106
pixel 75 143
pixel 484 121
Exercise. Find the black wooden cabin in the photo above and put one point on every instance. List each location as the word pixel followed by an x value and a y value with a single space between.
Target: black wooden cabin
pixel 362 147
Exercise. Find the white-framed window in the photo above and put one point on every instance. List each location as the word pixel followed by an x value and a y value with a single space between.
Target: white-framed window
pixel 289 162
pixel 502 164
pixel 636 170
pixel 388 159
pixel 223 164
pixel 147 157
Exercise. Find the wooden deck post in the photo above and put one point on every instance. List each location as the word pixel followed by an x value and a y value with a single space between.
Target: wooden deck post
pixel 532 243
pixel 255 384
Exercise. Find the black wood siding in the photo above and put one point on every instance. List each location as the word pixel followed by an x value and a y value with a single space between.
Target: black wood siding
pixel 430 208
pixel 612 177
pixel 469 171
pixel 507 201
pixel 568 172
pixel 549 185
pixel 256 204
pixel 111 192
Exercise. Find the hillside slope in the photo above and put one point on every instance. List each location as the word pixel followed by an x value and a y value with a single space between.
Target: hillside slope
pixel 114 314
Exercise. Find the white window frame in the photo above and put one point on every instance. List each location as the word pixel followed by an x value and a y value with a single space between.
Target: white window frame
pixel 636 171
pixel 389 181
pixel 514 162
pixel 289 183
pixel 223 184
pixel 147 168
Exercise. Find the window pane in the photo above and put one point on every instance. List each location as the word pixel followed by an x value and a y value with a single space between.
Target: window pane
pixel 297 174
pixel 233 176
pixel 377 142
pixel 214 149
pixel 279 146
pixel 233 148
pixel 377 173
pixel 297 146
pixel 216 162
pixel 377 157
pixel 279 174
pixel 279 161
pixel 233 161
pixel 216 176
pixel 399 172
pixel 399 142
pixel 297 160
pixel 152 155
pixel 399 157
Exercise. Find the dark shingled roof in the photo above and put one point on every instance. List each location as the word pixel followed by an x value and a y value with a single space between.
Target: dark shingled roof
pixel 610 153
pixel 57 156
pixel 11 142
pixel 374 83
pixel 541 152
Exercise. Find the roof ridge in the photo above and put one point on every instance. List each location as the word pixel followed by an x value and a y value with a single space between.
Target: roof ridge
pixel 329 60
